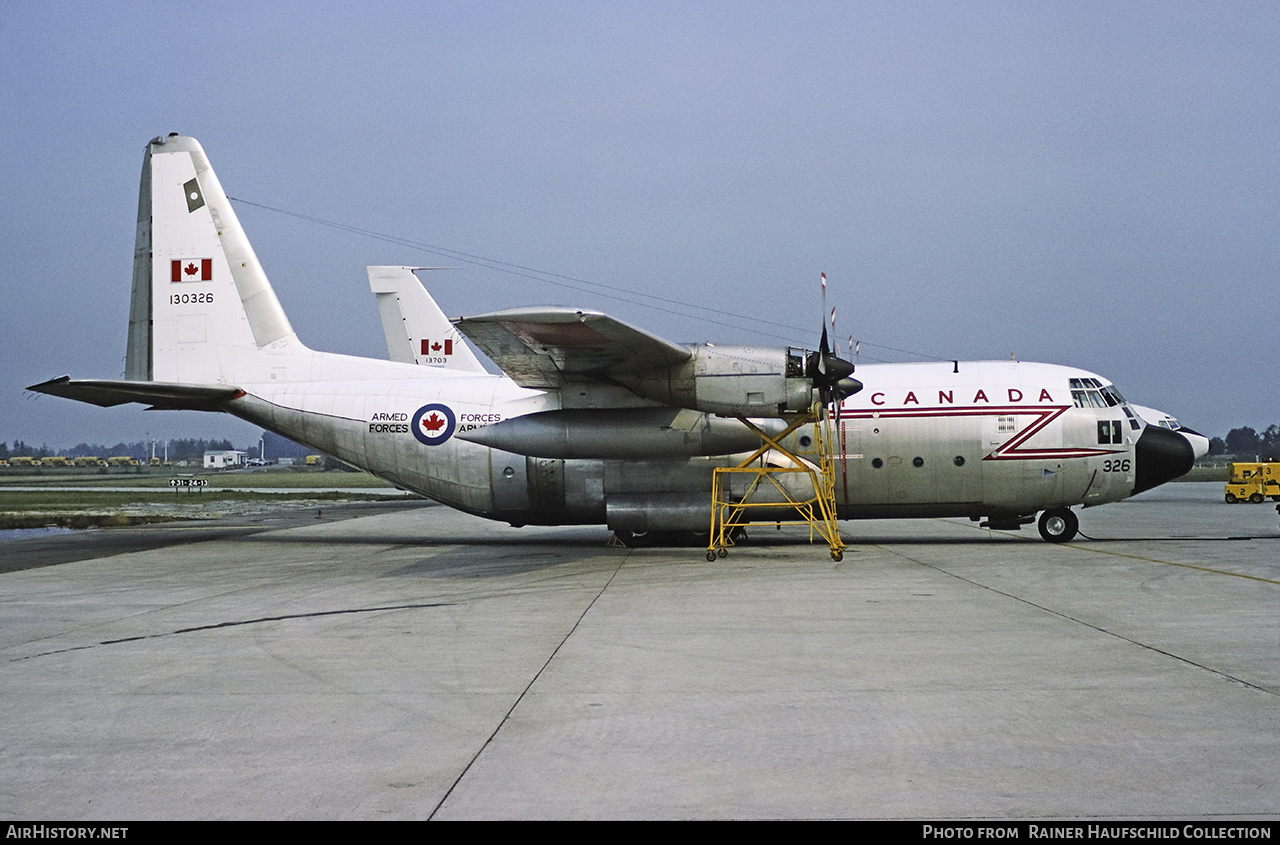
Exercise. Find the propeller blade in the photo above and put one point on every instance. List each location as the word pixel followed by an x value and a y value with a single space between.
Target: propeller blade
pixel 829 372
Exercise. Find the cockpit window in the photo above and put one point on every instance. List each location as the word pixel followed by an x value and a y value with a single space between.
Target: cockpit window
pixel 1088 399
pixel 1091 393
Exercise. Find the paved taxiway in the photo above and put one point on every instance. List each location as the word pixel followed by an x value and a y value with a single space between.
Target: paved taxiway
pixel 395 661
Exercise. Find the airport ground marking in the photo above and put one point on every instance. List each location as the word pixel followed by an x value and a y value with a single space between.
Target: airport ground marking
pixel 506 717
pixel 1061 615
pixel 1173 563
pixel 1084 548
pixel 234 624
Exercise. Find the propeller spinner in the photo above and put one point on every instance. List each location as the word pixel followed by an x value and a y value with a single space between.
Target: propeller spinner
pixel 827 370
pixel 830 374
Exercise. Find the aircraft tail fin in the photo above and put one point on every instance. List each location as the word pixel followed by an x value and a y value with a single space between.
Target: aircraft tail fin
pixel 202 309
pixel 417 330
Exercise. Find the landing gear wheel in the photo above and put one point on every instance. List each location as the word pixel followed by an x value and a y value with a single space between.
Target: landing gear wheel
pixel 1058 525
pixel 1231 499
pixel 1256 499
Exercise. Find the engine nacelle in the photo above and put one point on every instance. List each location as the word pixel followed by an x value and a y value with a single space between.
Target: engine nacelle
pixel 733 381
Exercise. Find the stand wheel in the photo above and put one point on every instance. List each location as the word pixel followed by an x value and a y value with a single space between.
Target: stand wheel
pixel 837 556
pixel 711 555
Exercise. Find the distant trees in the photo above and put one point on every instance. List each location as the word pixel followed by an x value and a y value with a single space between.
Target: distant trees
pixel 183 449
pixel 1244 442
pixel 179 449
pixel 188 449
pixel 20 449
pixel 281 447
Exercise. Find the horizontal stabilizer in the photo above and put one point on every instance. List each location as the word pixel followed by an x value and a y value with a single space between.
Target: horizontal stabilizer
pixel 107 393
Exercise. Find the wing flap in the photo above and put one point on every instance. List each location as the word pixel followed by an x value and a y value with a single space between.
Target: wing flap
pixel 107 393
pixel 548 347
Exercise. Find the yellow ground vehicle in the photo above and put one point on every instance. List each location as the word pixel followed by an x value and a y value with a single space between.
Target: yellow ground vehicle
pixel 55 461
pixel 1253 482
pixel 313 460
pixel 122 461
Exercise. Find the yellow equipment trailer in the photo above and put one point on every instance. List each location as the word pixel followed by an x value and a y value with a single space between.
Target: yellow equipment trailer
pixel 1253 482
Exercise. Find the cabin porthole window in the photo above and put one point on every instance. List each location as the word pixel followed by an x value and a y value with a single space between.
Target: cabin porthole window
pixel 917 462
pixel 959 460
pixel 877 463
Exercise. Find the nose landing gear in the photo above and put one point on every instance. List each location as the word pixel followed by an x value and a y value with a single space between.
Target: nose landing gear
pixel 1059 525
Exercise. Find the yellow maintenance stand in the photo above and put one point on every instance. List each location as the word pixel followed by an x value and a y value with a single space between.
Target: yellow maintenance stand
pixel 766 488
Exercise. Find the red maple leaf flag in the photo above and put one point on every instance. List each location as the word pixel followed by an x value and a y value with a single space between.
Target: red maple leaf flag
pixel 434 347
pixel 435 422
pixel 191 270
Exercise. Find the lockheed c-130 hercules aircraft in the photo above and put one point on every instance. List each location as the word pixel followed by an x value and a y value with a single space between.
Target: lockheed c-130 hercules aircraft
pixel 595 421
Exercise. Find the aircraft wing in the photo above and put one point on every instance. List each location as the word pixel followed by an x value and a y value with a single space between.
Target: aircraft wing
pixel 547 347
pixel 107 393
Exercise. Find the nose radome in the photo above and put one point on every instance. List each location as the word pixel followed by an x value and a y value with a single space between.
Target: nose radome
pixel 1162 455
pixel 1199 443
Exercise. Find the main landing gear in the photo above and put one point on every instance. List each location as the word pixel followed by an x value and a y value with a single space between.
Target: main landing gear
pixel 1059 525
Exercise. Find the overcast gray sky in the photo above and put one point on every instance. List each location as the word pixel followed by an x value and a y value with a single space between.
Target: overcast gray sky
pixel 1095 184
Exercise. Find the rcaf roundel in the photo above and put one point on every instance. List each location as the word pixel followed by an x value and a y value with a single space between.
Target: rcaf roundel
pixel 433 424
